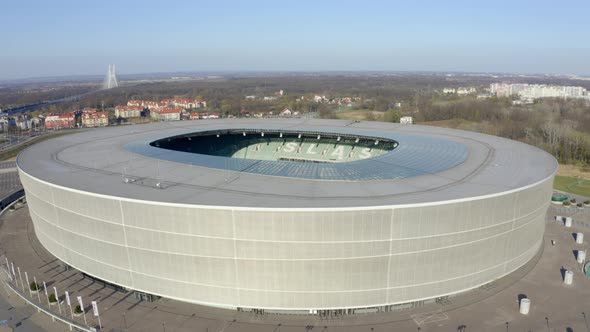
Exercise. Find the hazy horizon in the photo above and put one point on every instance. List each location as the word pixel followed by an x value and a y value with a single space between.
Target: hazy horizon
pixel 68 38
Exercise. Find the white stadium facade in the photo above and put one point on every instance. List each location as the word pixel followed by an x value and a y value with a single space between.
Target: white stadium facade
pixel 297 215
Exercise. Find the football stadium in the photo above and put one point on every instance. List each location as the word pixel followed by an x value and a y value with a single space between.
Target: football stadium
pixel 298 215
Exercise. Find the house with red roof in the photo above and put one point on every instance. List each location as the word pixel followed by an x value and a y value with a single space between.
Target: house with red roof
pixel 185 102
pixel 166 114
pixel 96 119
pixel 147 104
pixel 60 121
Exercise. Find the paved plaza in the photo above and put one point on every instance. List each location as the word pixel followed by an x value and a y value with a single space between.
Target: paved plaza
pixel 494 307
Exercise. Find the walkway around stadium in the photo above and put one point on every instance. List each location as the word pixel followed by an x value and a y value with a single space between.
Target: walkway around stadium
pixel 493 307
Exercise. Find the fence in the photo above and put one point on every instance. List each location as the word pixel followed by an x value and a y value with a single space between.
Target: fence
pixel 11 281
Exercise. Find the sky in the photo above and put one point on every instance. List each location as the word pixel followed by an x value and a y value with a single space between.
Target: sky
pixel 40 38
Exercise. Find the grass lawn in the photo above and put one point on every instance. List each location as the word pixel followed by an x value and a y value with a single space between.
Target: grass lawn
pixel 572 185
pixel 359 115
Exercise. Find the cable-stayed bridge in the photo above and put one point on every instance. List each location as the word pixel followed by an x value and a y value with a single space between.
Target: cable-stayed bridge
pixel 110 82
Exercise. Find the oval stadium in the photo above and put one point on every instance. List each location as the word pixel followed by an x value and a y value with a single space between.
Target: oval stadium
pixel 289 214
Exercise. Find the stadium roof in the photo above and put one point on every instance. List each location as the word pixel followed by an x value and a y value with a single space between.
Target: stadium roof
pixel 415 155
pixel 429 165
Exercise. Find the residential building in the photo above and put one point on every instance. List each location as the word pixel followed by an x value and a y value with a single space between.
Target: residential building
pixel 95 119
pixel 60 121
pixel 147 104
pixel 185 103
pixel 128 111
pixel 210 116
pixel 36 122
pixel 534 91
pixel 22 122
pixel 166 114
pixel 466 91
pixel 406 120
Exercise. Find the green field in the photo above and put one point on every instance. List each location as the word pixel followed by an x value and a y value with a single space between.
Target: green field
pixel 361 115
pixel 572 185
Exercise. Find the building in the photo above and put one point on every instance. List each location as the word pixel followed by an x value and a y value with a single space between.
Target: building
pixel 147 104
pixel 95 119
pixel 36 123
pixel 286 112
pixel 530 92
pixel 185 103
pixel 166 114
pixel 213 115
pixel 135 103
pixel 127 112
pixel 60 121
pixel 22 122
pixel 4 124
pixel 233 218
pixel 406 120
pixel 500 89
pixel 466 91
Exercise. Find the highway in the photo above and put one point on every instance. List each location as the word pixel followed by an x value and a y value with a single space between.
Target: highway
pixel 31 107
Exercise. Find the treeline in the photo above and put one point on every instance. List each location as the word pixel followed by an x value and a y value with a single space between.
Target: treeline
pixel 561 127
pixel 15 97
pixel 227 94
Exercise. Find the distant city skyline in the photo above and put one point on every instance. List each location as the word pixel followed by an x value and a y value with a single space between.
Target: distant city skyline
pixel 66 38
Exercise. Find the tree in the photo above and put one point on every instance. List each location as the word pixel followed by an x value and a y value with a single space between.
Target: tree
pixel 381 105
pixel 391 116
pixel 34 286
pixel 326 112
